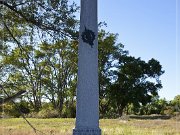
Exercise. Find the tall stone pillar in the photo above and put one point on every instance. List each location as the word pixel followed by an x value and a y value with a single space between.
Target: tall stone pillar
pixel 87 107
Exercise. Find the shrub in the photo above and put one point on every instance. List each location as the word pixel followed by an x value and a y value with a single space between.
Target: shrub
pixel 69 110
pixel 11 110
pixel 32 115
pixel 168 112
pixel 48 113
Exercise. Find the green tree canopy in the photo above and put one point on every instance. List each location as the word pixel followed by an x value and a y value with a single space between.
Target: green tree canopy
pixel 176 103
pixel 137 82
pixel 38 53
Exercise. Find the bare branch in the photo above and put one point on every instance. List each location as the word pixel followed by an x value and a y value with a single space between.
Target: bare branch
pixel 34 21
pixel 9 98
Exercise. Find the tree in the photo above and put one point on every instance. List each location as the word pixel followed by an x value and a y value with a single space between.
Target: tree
pixel 26 74
pixel 176 103
pixel 156 106
pixel 109 52
pixel 25 27
pixel 122 76
pixel 60 75
pixel 53 17
pixel 137 82
pixel 39 54
pixel 50 72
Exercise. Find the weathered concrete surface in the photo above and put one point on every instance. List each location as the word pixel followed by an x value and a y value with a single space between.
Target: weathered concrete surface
pixel 87 113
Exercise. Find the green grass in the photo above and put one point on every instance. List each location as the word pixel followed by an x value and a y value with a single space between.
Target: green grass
pixel 17 126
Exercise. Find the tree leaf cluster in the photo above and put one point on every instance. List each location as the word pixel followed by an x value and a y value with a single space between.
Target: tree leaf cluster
pixel 39 54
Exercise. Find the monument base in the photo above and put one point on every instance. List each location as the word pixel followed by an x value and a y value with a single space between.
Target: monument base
pixel 87 131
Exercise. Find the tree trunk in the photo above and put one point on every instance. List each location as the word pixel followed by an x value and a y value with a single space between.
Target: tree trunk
pixel 120 111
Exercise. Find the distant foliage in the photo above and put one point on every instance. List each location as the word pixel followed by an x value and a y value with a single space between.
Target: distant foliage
pixel 48 113
pixel 39 54
pixel 12 110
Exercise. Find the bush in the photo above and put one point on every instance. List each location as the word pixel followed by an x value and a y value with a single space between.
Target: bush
pixel 32 115
pixel 169 111
pixel 69 110
pixel 48 113
pixel 10 110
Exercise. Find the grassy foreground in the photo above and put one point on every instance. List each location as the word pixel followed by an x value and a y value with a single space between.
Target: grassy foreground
pixel 17 126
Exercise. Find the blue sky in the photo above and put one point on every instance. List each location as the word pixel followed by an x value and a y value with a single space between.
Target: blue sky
pixel 148 29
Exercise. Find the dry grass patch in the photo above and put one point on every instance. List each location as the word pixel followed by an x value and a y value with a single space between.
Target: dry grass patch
pixel 17 126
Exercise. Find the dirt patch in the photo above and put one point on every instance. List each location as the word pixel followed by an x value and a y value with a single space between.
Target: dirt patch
pixel 150 117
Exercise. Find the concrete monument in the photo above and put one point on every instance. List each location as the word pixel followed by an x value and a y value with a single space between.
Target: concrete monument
pixel 87 107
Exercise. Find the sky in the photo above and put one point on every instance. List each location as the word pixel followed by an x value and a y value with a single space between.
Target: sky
pixel 148 29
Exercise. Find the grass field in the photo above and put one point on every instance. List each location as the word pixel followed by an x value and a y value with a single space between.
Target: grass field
pixel 17 126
